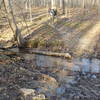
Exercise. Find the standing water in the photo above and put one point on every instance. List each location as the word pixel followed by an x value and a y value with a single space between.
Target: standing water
pixel 76 64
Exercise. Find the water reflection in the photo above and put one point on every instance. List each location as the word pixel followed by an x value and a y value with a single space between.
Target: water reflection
pixel 77 64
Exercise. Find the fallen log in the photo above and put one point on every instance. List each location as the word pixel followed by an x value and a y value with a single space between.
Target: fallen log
pixel 49 53
pixel 33 51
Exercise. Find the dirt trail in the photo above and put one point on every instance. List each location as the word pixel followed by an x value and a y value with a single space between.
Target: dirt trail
pixel 81 36
pixel 88 41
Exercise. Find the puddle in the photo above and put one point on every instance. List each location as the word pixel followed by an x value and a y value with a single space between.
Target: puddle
pixel 76 64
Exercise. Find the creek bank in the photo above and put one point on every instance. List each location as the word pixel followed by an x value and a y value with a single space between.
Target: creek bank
pixel 46 78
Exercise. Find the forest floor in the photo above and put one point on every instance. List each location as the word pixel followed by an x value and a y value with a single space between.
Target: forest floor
pixel 22 79
pixel 78 35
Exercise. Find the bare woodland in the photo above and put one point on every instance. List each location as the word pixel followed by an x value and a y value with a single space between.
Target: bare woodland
pixel 49 49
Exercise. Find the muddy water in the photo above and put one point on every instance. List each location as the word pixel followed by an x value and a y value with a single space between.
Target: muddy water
pixel 76 64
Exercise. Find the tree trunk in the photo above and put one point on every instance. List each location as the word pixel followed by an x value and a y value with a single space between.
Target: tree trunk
pixel 53 4
pixel 12 22
pixel 26 5
pixel 63 6
pixel 30 8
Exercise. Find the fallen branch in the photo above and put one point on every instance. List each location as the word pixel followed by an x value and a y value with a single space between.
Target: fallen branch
pixel 49 53
pixel 32 51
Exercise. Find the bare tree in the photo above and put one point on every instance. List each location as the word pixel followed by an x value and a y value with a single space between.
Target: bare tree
pixel 12 22
pixel 63 6
pixel 26 4
pixel 53 4
pixel 30 9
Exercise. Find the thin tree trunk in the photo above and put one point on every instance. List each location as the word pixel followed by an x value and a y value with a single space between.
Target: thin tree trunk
pixel 30 8
pixel 26 5
pixel 12 22
pixel 63 5
pixel 53 4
